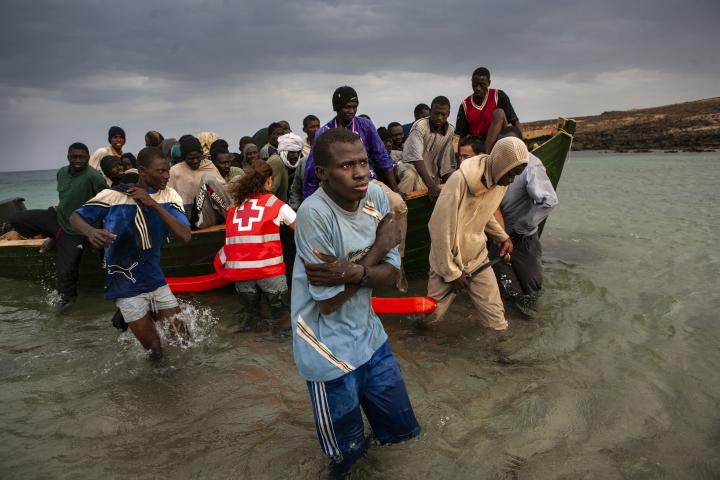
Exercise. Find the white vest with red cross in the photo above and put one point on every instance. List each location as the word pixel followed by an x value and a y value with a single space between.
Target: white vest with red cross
pixel 252 247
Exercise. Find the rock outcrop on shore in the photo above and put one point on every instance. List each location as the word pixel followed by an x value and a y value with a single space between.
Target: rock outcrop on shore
pixel 688 126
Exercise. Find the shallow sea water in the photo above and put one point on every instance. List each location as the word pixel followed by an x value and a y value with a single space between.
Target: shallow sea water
pixel 616 376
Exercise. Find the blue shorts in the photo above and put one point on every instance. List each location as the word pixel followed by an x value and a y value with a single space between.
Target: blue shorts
pixel 378 387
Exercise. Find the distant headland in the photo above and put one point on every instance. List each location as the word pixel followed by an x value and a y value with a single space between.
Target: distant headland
pixel 689 126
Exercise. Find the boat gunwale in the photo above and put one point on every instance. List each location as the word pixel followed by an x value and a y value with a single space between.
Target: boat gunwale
pixel 37 242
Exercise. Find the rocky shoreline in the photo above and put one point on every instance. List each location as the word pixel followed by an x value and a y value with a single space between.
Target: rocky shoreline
pixel 687 127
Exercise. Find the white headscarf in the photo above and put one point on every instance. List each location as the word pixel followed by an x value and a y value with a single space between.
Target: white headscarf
pixel 289 143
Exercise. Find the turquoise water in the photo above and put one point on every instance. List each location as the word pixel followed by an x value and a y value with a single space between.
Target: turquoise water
pixel 617 375
pixel 38 187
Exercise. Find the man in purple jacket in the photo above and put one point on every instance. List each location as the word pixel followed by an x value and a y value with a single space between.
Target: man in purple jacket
pixel 345 103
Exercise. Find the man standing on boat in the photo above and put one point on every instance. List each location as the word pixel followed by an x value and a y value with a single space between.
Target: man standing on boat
pixel 345 102
pixel 346 245
pixel 135 223
pixel 76 183
pixel 526 204
pixel 463 214
pixel 486 112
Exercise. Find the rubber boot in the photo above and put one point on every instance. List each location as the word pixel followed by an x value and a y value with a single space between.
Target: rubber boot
pixel 502 346
pixel 249 311
pixel 279 320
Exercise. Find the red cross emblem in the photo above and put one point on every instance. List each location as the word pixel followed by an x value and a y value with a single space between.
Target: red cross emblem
pixel 248 214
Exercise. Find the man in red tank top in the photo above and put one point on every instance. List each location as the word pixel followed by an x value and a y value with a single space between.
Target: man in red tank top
pixel 486 111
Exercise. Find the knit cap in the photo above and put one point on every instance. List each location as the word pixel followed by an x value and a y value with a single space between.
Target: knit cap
pixel 342 96
pixel 508 153
pixel 115 130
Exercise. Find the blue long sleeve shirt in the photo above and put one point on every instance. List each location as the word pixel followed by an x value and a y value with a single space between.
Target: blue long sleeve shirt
pixel 528 200
pixel 377 154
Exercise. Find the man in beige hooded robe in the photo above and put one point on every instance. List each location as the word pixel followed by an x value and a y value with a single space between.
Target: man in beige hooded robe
pixel 462 218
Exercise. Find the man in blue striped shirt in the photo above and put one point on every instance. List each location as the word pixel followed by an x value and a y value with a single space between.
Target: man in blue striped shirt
pixel 136 220
pixel 346 245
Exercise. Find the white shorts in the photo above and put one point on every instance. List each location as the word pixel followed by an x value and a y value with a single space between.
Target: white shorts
pixel 135 308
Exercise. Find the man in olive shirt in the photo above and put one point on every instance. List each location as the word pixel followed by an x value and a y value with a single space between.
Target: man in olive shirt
pixel 76 184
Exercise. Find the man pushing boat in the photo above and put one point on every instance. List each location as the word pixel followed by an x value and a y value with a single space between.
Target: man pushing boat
pixel 463 213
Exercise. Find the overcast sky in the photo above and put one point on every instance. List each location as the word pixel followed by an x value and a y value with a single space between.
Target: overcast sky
pixel 70 69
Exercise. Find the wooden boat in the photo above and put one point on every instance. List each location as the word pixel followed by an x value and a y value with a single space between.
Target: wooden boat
pixel 21 259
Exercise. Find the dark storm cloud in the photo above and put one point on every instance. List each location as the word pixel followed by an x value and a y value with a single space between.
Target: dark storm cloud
pixel 52 45
pixel 164 63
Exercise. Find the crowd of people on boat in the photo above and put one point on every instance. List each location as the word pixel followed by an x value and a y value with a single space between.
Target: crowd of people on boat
pixel 340 191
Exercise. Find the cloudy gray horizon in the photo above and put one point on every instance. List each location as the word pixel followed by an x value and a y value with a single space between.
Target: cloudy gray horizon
pixel 72 69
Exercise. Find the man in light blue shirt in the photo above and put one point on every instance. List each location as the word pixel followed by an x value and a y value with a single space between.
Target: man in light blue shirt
pixel 347 245
pixel 526 204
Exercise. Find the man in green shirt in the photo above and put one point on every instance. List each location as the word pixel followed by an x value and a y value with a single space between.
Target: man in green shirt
pixel 76 184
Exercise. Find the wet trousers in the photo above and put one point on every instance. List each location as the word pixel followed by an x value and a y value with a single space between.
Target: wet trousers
pixel 376 388
pixel 525 275
pixel 483 292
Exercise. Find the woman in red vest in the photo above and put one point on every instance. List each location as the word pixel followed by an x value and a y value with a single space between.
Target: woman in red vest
pixel 252 256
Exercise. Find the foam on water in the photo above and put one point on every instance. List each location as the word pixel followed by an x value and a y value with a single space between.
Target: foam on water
pixel 199 320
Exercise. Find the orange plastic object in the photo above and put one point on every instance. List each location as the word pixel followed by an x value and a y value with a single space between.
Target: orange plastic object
pixel 199 283
pixel 403 305
pixel 383 305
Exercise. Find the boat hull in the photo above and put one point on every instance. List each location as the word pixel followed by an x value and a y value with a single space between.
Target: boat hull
pixel 22 259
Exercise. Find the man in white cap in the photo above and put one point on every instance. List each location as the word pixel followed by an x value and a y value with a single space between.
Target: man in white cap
pixel 463 213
